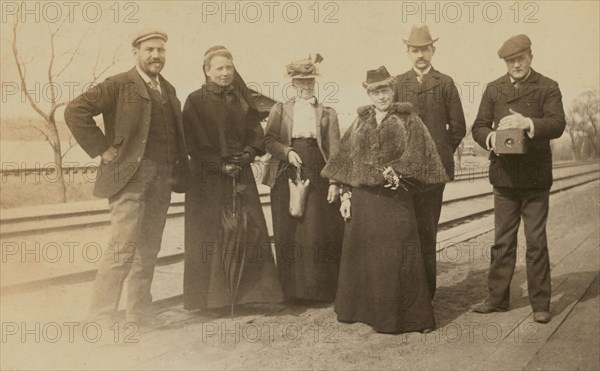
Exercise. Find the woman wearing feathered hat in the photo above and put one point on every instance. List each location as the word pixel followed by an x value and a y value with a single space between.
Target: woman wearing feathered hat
pixel 301 136
pixel 384 155
pixel 223 135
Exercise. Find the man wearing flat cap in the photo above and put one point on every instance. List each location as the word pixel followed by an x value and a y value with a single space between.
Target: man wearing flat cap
pixel 435 99
pixel 143 158
pixel 521 101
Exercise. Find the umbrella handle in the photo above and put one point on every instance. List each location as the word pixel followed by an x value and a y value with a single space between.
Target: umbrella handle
pixel 236 160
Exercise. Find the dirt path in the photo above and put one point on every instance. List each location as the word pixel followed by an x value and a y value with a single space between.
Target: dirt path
pixel 300 337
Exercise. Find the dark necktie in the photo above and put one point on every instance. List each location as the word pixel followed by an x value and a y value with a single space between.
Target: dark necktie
pixel 154 86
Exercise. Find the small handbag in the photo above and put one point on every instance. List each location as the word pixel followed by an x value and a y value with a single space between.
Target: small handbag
pixel 298 194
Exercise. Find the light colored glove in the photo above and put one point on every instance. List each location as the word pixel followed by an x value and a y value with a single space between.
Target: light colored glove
pixel 333 194
pixel 345 209
pixel 294 159
pixel 231 169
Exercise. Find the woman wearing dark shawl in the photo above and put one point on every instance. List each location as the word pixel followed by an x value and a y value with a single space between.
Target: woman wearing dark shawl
pixel 222 123
pixel 384 155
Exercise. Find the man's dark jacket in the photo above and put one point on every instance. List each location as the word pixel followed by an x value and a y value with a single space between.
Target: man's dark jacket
pixel 437 102
pixel 125 105
pixel 538 98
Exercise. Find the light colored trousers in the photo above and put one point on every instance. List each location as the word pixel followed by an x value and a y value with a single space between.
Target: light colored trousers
pixel 138 215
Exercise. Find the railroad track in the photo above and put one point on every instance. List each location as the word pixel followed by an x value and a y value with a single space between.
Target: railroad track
pixel 465 209
pixel 98 215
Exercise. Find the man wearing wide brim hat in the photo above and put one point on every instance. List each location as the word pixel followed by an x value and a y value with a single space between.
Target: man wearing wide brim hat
pixel 143 158
pixel 435 98
pixel 420 36
pixel 524 101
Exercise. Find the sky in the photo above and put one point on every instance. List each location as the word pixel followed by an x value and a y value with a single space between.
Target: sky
pixel 264 36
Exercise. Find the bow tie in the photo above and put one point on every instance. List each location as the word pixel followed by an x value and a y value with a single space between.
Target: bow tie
pixel 311 100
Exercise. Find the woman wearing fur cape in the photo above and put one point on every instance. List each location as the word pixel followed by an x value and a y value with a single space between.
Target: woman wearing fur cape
pixel 382 278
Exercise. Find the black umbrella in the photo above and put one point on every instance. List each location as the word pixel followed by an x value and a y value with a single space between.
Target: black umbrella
pixel 233 236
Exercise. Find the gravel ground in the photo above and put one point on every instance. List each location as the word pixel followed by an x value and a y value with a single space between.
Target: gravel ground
pixel 308 336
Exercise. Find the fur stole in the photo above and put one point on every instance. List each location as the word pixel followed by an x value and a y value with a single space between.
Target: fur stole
pixel 401 141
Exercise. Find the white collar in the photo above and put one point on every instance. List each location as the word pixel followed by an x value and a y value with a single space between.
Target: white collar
pixel 380 115
pixel 311 100
pixel 145 76
pixel 419 73
pixel 512 79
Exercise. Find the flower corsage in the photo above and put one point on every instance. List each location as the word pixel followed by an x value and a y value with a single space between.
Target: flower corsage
pixel 393 180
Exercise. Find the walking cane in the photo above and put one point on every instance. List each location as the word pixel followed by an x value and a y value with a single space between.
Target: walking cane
pixel 234 182
pixel 234 213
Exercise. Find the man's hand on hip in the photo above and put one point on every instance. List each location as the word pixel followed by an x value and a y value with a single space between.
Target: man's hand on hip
pixel 109 155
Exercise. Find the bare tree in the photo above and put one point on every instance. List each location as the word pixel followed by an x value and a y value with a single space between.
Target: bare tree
pixel 587 107
pixel 570 129
pixel 49 130
pixel 583 123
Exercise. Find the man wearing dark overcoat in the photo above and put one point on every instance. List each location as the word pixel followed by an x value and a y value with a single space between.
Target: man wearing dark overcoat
pixel 521 99
pixel 143 158
pixel 435 99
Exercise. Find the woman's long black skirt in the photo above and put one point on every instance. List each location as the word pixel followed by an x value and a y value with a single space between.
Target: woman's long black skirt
pixel 382 275
pixel 308 248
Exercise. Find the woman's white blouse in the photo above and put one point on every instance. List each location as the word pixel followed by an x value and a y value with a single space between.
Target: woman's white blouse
pixel 379 116
pixel 305 119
